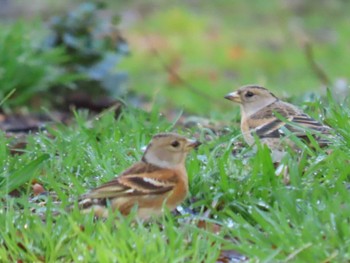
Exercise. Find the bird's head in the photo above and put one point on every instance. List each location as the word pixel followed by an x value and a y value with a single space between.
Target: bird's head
pixel 169 149
pixel 252 98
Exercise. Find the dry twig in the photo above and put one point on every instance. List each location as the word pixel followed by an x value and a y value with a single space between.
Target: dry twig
pixel 316 68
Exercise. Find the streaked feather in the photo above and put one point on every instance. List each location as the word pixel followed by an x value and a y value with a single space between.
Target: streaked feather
pixel 136 181
pixel 297 122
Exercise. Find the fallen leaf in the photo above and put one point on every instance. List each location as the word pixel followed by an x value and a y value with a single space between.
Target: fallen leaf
pixel 38 189
pixel 209 226
pixel 236 52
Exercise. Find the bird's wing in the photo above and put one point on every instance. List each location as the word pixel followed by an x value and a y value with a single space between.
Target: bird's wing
pixel 305 122
pixel 140 179
pixel 280 116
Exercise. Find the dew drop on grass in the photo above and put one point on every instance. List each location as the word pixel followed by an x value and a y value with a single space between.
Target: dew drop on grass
pixel 202 158
pixel 143 148
pixel 321 206
pixel 229 223
pixel 250 209
pixel 77 173
pixel 180 209
pixel 263 204
pixel 320 158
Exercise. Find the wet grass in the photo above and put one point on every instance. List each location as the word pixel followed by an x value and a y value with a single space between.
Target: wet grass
pixel 215 48
pixel 259 215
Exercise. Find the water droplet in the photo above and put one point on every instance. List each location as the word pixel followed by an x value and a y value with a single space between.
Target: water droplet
pixel 231 191
pixel 180 209
pixel 229 223
pixel 202 158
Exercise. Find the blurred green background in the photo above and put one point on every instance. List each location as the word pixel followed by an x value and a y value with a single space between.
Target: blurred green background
pixel 217 46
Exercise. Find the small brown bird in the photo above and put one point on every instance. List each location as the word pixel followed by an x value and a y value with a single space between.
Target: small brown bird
pixel 160 178
pixel 261 114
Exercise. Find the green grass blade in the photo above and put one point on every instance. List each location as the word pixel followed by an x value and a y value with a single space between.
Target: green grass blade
pixel 20 177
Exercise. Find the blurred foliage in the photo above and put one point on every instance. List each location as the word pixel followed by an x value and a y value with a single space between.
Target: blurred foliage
pixel 24 70
pixel 94 46
pixel 217 46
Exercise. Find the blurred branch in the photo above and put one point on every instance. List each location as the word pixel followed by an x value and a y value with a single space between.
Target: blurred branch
pixel 316 68
pixel 181 80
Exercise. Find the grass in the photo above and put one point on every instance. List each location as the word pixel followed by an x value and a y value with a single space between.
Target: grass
pixel 81 158
pixel 215 48
pixel 304 221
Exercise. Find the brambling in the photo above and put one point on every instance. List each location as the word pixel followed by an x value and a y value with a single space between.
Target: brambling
pixel 261 113
pixel 160 178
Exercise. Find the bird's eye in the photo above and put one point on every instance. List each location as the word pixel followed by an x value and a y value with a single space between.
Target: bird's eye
pixel 249 94
pixel 175 144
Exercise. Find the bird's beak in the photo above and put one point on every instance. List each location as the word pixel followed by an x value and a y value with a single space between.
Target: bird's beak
pixel 192 144
pixel 233 96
